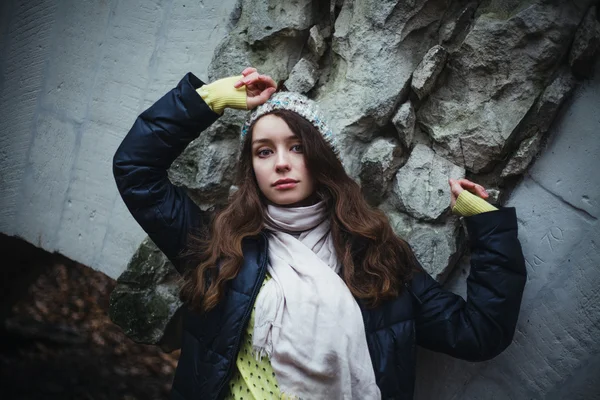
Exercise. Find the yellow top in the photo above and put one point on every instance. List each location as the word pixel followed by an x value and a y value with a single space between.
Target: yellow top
pixel 221 94
pixel 252 379
pixel 468 204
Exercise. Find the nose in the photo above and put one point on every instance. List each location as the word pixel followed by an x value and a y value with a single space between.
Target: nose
pixel 282 162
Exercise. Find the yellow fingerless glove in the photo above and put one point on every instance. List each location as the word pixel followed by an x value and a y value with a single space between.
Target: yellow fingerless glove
pixel 468 204
pixel 221 94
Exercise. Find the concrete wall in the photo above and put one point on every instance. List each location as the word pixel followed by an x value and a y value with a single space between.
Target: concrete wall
pixel 556 349
pixel 74 74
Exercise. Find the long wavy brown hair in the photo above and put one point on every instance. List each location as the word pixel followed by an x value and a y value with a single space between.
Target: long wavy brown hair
pixel 376 263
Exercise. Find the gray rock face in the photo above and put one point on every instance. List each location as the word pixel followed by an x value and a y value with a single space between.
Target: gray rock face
pixel 435 245
pixel 586 45
pixel 205 165
pixel 522 157
pixel 145 301
pixel 303 76
pixel 269 18
pixel 316 43
pixel 428 70
pixel 537 122
pixel 378 165
pixel 376 46
pixel 494 78
pixel 457 25
pixel 421 188
pixel 404 122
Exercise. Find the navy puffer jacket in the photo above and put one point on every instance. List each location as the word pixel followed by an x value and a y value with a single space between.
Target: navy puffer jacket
pixel 425 314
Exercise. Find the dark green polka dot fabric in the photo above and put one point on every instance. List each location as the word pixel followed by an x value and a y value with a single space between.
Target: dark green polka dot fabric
pixel 252 379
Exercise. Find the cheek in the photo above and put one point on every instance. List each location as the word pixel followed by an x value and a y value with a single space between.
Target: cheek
pixel 301 166
pixel 260 173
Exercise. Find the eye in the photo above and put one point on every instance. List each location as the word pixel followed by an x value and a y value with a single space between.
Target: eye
pixel 263 152
pixel 298 148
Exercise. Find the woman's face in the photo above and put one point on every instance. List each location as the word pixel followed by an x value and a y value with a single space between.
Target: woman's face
pixel 279 165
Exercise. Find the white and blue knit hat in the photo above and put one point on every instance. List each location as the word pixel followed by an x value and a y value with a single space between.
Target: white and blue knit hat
pixel 298 103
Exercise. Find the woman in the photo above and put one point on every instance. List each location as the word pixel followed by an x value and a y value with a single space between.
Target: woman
pixel 298 288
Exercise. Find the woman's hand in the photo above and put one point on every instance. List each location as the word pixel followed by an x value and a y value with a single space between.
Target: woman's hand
pixel 258 87
pixel 457 186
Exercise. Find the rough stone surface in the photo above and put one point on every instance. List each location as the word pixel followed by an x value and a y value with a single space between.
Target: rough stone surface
pixel 494 78
pixel 273 18
pixel 145 300
pixel 420 187
pixel 375 48
pixel 379 164
pixel 404 122
pixel 316 42
pixel 555 345
pixel 586 45
pixel 428 70
pixel 205 168
pixel 435 245
pixel 522 157
pixel 457 25
pixel 303 76
pixel 537 122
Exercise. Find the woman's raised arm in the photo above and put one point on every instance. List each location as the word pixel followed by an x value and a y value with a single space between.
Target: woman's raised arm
pixel 483 326
pixel 141 162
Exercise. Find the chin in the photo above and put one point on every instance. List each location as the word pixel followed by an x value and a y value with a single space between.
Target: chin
pixel 286 200
pixel 291 199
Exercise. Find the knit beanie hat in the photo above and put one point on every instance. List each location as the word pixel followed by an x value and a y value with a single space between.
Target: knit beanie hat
pixel 298 103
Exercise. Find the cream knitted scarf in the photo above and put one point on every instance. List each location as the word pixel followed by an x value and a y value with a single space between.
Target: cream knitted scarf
pixel 306 319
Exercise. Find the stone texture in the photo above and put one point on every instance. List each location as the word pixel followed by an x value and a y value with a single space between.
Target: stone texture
pixel 404 122
pixel 494 195
pixel 205 168
pixel 435 245
pixel 316 42
pixel 145 300
pixel 521 158
pixel 428 70
pixel 457 25
pixel 585 45
pixel 375 48
pixel 378 165
pixel 537 122
pixel 272 18
pixel 491 82
pixel 303 76
pixel 421 187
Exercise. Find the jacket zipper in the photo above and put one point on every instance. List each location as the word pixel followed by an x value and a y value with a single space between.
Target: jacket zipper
pixel 261 277
pixel 409 290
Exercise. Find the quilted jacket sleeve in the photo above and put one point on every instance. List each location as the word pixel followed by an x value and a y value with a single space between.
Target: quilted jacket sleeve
pixel 483 326
pixel 141 162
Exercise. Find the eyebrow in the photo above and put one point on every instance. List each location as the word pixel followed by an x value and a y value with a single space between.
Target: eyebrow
pixel 287 139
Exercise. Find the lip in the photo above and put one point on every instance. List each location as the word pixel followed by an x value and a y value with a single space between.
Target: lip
pixel 285 186
pixel 285 181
